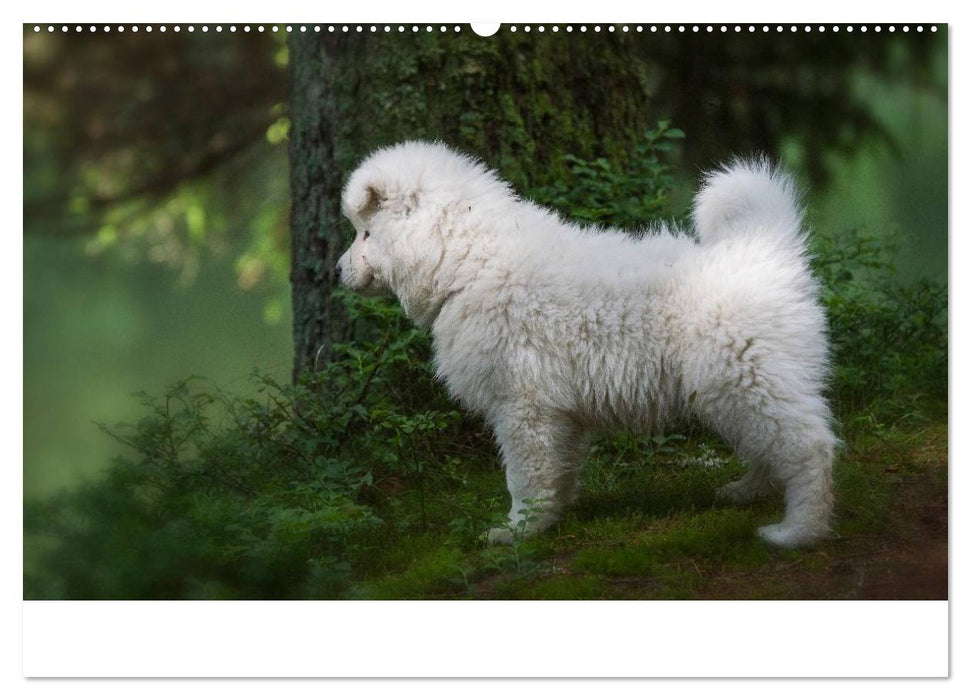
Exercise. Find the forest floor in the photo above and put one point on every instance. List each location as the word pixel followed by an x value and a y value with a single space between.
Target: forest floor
pixel 665 538
pixel 646 525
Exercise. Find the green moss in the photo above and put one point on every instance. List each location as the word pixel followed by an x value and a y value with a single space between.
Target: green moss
pixel 627 560
pixel 863 498
pixel 668 559
pixel 724 533
pixel 604 530
pixel 557 587
pixel 434 574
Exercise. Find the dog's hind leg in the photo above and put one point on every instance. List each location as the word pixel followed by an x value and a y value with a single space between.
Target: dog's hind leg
pixel 542 452
pixel 787 438
pixel 802 463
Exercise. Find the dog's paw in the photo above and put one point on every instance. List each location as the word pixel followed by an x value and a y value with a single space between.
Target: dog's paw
pixel 788 537
pixel 776 535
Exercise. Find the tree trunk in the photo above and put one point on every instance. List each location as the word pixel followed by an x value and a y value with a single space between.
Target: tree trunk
pixel 520 102
pixel 314 193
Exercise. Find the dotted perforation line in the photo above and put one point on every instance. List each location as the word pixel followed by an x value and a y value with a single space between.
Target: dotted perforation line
pixel 723 28
pixel 414 28
pixel 232 28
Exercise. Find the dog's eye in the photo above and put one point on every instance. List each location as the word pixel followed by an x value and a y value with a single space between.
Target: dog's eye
pixel 367 234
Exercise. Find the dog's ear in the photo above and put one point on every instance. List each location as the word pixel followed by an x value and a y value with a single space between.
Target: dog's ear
pixel 363 196
pixel 369 190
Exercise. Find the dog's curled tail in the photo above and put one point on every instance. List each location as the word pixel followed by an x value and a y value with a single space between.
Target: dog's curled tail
pixel 747 196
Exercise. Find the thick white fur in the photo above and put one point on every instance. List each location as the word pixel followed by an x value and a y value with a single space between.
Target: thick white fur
pixel 553 331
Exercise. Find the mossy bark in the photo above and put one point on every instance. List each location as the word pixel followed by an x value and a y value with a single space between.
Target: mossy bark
pixel 314 193
pixel 520 102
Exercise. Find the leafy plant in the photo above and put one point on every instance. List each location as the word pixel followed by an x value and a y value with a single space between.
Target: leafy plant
pixel 889 339
pixel 602 192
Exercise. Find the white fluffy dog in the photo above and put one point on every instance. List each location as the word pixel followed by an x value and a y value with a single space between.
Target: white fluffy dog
pixel 553 331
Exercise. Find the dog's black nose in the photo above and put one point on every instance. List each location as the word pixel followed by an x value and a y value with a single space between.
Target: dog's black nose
pixel 337 273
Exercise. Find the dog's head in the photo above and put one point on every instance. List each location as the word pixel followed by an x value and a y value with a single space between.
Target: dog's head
pixel 378 201
pixel 406 203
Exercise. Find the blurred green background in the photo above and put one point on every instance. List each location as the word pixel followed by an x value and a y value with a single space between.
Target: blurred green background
pixel 156 202
pixel 156 225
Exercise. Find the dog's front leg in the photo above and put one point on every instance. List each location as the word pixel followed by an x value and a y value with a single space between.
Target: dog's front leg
pixel 541 451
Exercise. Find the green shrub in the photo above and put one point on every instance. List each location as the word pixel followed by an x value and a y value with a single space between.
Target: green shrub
pixel 600 192
pixel 889 339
